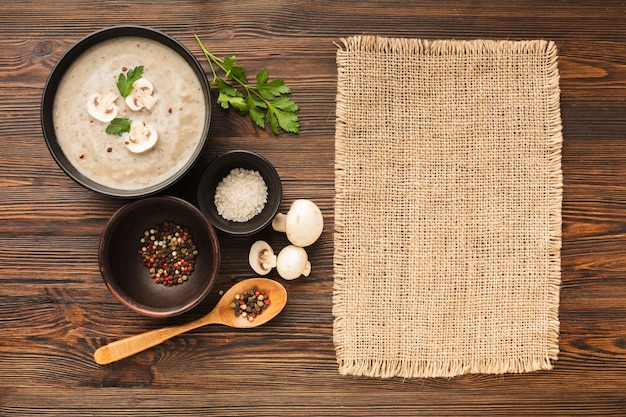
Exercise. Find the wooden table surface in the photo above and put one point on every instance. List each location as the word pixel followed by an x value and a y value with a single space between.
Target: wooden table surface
pixel 55 310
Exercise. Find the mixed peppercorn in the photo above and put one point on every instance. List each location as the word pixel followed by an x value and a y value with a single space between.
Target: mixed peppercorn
pixel 169 252
pixel 249 304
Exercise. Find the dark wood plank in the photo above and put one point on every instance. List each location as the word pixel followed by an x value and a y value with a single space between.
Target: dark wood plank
pixel 55 310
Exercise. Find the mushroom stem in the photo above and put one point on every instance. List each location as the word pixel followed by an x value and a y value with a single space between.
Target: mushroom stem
pixel 307 269
pixel 268 259
pixel 280 223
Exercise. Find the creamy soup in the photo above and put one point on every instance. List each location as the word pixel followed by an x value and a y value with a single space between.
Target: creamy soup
pixel 178 116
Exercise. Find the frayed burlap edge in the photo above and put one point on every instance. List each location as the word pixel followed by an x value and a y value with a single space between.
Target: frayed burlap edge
pixel 427 369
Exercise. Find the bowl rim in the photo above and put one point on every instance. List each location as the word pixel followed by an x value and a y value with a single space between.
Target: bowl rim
pixel 60 69
pixel 143 309
pixel 204 179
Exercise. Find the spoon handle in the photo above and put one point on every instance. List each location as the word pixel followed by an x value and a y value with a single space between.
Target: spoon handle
pixel 129 346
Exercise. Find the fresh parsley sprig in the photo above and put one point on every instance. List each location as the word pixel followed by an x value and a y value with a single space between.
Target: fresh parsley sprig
pixel 267 100
pixel 125 81
pixel 118 126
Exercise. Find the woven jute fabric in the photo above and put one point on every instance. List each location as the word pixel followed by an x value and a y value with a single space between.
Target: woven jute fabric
pixel 447 207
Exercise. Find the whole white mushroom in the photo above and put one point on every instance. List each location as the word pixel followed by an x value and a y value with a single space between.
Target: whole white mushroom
pixel 303 223
pixel 293 262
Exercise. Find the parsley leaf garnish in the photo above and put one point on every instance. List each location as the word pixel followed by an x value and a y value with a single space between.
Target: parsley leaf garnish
pixel 118 126
pixel 267 100
pixel 125 81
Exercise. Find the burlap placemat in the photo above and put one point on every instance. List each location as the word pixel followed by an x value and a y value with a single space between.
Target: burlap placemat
pixel 448 207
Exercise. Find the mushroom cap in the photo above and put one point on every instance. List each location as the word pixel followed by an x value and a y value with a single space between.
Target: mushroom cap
pixel 292 261
pixel 261 257
pixel 141 138
pixel 141 95
pixel 304 223
pixel 102 106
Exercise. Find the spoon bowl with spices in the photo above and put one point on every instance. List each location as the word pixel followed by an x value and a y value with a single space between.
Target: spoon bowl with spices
pixel 234 309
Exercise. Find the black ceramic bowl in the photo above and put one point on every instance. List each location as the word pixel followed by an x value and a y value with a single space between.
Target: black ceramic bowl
pixel 218 169
pixel 52 87
pixel 129 279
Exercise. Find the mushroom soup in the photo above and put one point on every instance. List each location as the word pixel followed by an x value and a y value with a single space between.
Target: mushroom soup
pixel 174 114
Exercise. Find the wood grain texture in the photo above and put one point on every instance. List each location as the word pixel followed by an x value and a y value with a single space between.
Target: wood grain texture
pixel 55 310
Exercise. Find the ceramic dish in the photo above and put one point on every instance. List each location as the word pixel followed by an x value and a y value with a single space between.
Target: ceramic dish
pixel 180 111
pixel 129 279
pixel 220 168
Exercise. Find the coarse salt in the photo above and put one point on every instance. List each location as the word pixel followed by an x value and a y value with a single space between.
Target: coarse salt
pixel 241 195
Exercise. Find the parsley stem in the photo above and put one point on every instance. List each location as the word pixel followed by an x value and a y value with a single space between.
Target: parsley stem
pixel 220 64
pixel 210 58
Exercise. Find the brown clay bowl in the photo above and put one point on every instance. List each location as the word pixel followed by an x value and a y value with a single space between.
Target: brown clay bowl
pixel 128 279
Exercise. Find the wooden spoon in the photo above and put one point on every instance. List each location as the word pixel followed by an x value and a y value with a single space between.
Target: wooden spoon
pixel 222 313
